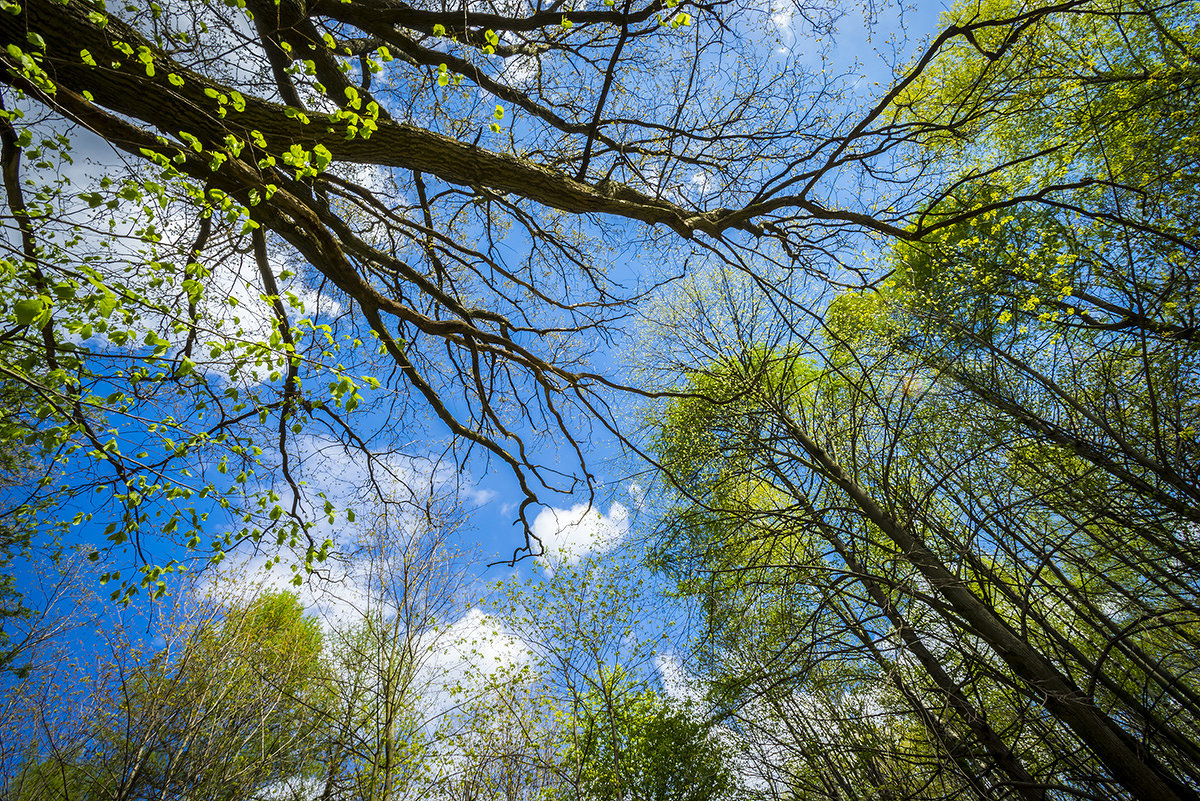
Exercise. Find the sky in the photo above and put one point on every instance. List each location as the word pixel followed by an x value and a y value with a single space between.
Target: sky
pixel 570 529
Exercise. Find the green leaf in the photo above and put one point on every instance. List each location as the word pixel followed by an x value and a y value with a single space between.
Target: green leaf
pixel 321 157
pixel 29 310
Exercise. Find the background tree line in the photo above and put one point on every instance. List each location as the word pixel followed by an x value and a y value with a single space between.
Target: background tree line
pixel 234 691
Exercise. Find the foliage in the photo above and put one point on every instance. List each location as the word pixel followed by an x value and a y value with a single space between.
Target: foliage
pixel 651 749
pixel 969 479
pixel 315 218
pixel 937 517
pixel 217 712
pixel 300 227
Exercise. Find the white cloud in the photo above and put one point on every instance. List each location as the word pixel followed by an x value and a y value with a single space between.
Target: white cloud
pixel 568 535
pixel 520 71
pixel 676 681
pixel 477 646
pixel 332 595
pixel 233 307
pixel 231 310
pixel 638 494
pixel 346 585
pixel 469 659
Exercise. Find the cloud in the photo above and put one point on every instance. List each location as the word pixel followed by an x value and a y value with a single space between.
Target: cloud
pixel 474 649
pixel 334 595
pixel 346 584
pixel 569 535
pixel 232 316
pixel 638 494
pixel 520 71
pixel 676 681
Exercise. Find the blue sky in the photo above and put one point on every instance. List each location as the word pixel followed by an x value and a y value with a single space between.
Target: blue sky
pixel 489 495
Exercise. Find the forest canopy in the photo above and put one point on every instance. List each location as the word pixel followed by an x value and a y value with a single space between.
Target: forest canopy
pixel 911 371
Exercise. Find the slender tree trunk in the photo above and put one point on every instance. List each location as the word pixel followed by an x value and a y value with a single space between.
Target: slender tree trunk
pixel 1135 771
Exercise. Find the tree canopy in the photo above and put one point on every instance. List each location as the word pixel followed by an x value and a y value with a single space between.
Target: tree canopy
pixel 981 472
pixel 320 208
pixel 917 364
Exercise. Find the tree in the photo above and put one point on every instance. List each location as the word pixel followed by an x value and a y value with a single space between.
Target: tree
pixel 797 595
pixel 225 709
pixel 1069 333
pixel 34 685
pixel 402 587
pixel 992 524
pixel 443 185
pixel 768 510
pixel 986 451
pixel 559 700
pixel 649 749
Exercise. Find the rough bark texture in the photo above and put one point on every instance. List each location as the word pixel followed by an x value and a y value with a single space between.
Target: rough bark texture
pixel 120 84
